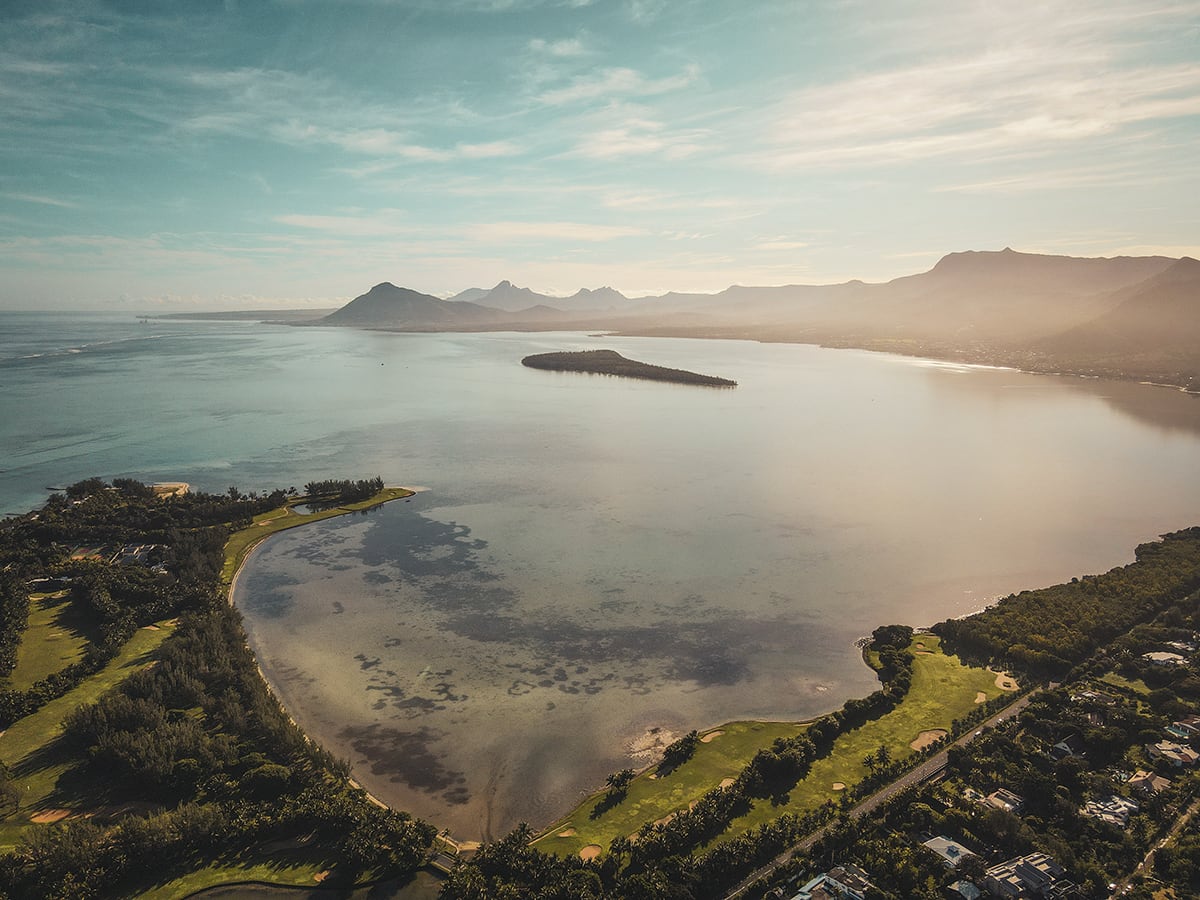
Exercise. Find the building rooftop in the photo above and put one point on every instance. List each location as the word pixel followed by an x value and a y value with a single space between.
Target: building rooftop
pixel 951 852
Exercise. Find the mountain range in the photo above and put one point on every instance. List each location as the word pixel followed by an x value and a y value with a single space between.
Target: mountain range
pixel 1124 316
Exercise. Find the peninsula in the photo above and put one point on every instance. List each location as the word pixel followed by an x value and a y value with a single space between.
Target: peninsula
pixel 610 362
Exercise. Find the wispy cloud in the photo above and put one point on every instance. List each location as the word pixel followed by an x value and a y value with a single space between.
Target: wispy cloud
pixel 555 231
pixel 378 223
pixel 618 82
pixel 1028 95
pixel 1053 179
pixel 780 243
pixel 562 48
pixel 41 200
pixel 639 136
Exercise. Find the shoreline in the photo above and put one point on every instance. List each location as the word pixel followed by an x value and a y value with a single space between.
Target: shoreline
pixel 244 555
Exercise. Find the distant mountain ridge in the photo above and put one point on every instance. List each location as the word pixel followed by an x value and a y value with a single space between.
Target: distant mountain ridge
pixel 510 298
pixel 1125 316
pixel 388 306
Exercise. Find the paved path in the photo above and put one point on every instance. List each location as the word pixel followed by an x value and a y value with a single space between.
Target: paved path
pixel 932 767
pixel 1146 866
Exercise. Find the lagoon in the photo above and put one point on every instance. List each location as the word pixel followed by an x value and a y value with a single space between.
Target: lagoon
pixel 595 565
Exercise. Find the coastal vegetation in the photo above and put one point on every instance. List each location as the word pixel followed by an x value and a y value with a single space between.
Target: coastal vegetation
pixel 164 742
pixel 1051 629
pixel 610 362
pixel 766 770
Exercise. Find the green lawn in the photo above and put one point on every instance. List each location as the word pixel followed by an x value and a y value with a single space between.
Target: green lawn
pixel 1135 685
pixel 266 524
pixel 29 750
pixel 943 689
pixel 283 868
pixel 55 637
pixel 650 798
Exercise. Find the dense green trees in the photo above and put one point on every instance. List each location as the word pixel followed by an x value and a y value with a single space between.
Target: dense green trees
pixel 679 752
pixel 334 492
pixel 1051 629
pixel 196 736
pixel 14 614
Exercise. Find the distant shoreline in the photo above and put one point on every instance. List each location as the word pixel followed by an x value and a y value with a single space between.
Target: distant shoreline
pixel 625 326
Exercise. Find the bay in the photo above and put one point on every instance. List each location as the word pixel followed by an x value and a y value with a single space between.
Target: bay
pixel 595 565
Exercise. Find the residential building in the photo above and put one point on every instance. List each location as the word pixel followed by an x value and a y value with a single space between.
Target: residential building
pixel 1163 658
pixel 1186 728
pixel 1006 800
pixel 1149 782
pixel 1114 809
pixel 951 852
pixel 847 882
pixel 1176 754
pixel 1032 875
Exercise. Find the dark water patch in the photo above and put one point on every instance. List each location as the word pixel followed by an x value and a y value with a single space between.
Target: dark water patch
pixel 419 704
pixel 364 663
pixel 294 675
pixel 715 652
pixel 406 757
pixel 377 578
pixel 421 547
pixel 445 692
pixel 267 595
pixel 453 595
pixel 338 607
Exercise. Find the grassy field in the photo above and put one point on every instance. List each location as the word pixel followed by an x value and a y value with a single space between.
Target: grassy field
pixel 943 689
pixel 287 868
pixel 29 747
pixel 55 637
pixel 266 524
pixel 649 799
pixel 1136 685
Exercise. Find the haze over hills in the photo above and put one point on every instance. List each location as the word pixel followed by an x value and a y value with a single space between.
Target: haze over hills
pixel 1125 316
pixel 388 306
pixel 507 296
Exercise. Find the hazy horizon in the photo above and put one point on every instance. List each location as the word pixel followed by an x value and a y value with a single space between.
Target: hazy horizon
pixel 293 155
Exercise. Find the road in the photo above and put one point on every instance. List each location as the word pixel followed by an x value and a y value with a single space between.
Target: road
pixel 931 768
pixel 1146 866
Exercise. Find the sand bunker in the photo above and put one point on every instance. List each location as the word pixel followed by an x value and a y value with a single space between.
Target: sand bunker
pixel 1005 682
pixel 980 697
pixel 591 851
pixel 49 815
pixel 568 832
pixel 727 782
pixel 665 819
pixel 711 736
pixel 321 876
pixel 925 738
pixel 920 644
pixel 839 786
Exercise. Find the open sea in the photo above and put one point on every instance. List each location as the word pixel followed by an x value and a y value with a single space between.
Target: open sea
pixel 593 566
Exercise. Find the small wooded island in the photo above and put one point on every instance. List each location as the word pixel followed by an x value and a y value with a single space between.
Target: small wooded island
pixel 610 362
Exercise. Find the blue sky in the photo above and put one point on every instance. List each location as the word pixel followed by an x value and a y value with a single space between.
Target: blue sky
pixel 295 152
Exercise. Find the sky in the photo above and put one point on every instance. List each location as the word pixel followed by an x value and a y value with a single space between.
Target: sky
pixel 292 153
